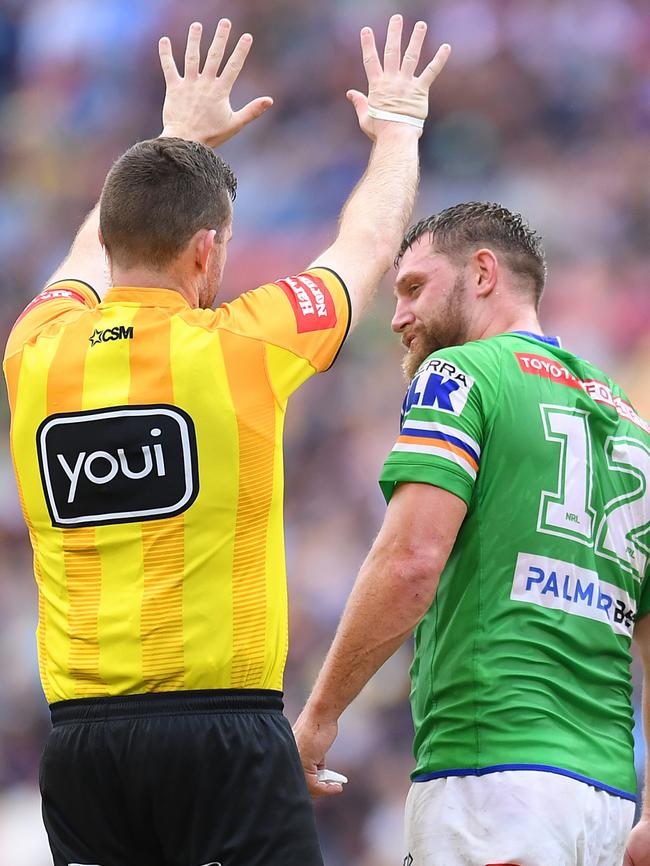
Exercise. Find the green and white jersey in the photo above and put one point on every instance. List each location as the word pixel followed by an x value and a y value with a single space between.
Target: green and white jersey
pixel 523 659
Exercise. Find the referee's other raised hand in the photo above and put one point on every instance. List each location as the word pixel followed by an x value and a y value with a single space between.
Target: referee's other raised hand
pixel 395 88
pixel 197 103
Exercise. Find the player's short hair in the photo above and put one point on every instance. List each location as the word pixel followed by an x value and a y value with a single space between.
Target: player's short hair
pixel 463 227
pixel 158 195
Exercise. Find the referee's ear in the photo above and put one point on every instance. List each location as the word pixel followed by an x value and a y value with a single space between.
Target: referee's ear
pixel 204 242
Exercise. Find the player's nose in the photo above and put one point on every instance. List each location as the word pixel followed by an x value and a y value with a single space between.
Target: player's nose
pixel 402 317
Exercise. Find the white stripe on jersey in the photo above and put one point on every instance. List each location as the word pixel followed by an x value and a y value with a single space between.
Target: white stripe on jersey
pixel 447 430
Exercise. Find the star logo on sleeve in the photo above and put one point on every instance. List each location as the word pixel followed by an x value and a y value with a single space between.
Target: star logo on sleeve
pixel 95 337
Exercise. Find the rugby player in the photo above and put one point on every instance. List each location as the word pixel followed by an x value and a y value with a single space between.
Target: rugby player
pixel 515 545
pixel 146 438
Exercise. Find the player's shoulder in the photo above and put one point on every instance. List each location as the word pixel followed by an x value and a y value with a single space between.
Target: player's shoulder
pixel 452 379
pixel 609 394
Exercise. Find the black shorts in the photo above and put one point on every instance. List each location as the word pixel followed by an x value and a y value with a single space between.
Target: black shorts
pixel 180 779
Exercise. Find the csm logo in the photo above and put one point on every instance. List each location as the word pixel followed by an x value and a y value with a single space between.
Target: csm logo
pixel 119 332
pixel 118 465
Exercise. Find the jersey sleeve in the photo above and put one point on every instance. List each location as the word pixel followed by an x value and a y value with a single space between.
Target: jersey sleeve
pixel 55 301
pixel 443 423
pixel 304 321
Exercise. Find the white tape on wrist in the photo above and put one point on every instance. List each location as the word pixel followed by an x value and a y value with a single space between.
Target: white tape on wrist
pixel 379 114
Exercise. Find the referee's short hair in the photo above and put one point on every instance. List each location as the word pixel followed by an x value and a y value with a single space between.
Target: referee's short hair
pixel 158 195
pixel 460 229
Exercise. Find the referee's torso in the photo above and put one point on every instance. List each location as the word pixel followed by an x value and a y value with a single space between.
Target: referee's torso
pixel 147 444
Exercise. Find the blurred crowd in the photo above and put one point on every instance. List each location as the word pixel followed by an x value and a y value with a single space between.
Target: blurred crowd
pixel 544 106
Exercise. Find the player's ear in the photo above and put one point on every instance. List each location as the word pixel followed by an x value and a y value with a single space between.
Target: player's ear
pixel 485 267
pixel 107 258
pixel 203 242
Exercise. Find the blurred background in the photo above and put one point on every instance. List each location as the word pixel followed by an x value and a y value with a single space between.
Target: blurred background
pixel 544 106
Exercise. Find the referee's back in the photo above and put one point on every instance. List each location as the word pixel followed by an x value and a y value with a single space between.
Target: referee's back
pixel 147 444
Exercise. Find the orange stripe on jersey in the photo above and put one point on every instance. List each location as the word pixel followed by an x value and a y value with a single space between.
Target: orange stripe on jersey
pixel 12 371
pixel 84 572
pixel 439 443
pixel 162 604
pixel 81 559
pixel 163 541
pixel 150 358
pixel 65 379
pixel 255 409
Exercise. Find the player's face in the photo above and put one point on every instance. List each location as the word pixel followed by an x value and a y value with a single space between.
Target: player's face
pixel 216 264
pixel 431 311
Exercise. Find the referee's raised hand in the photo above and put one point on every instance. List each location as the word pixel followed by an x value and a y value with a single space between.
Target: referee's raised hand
pixel 395 92
pixel 197 103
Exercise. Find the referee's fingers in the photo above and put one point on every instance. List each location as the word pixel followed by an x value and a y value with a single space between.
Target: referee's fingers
pixel 435 67
pixel 252 111
pixel 193 50
pixel 167 60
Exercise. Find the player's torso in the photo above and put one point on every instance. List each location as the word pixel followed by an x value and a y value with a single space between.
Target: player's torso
pixel 148 451
pixel 524 657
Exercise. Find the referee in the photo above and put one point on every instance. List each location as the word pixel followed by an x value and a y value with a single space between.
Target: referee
pixel 147 444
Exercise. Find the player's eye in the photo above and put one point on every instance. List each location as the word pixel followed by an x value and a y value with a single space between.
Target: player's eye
pixel 414 288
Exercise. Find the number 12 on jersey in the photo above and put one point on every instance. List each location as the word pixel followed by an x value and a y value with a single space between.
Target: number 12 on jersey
pixel 615 529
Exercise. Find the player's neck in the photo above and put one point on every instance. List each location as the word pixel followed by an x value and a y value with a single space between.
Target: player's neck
pixel 519 321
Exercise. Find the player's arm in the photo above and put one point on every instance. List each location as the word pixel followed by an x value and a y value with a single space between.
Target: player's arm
pixel 638 846
pixel 378 211
pixel 196 107
pixel 394 589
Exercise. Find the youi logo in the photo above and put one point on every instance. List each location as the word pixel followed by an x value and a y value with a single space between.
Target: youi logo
pixel 118 465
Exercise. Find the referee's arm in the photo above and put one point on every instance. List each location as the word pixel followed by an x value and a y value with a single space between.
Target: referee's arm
pixel 85 260
pixel 394 589
pixel 637 852
pixel 377 213
pixel 196 108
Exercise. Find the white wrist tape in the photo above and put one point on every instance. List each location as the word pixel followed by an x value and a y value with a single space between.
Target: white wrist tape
pixel 397 118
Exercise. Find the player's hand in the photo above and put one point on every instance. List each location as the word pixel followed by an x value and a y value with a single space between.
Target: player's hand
pixel 395 87
pixel 314 738
pixel 197 104
pixel 637 851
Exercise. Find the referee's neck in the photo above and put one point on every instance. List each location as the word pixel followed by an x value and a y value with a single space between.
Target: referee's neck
pixel 173 279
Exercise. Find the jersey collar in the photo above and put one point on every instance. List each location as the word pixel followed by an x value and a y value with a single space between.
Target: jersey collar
pixel 146 297
pixel 551 341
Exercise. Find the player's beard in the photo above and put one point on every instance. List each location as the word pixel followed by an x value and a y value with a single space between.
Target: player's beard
pixel 447 326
